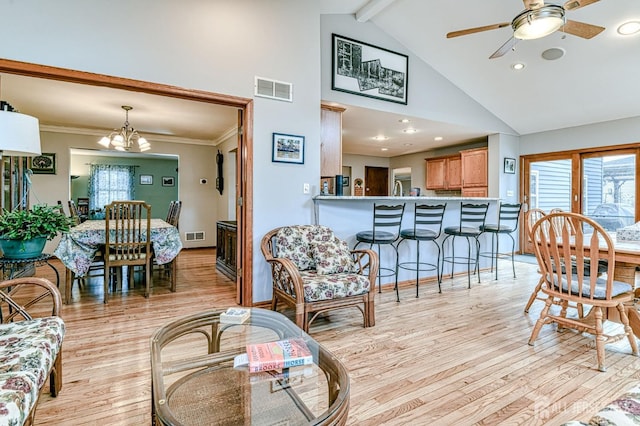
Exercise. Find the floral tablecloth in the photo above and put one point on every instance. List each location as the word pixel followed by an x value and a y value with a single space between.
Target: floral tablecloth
pixel 78 247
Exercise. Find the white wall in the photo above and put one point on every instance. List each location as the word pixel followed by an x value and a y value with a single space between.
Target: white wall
pixel 430 95
pixel 615 132
pixel 217 46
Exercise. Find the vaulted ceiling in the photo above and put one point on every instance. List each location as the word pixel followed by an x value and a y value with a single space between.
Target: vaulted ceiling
pixel 594 80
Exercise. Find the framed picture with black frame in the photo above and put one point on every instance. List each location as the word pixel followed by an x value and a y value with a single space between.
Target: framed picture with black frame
pixel 510 165
pixel 367 70
pixel 43 164
pixel 287 148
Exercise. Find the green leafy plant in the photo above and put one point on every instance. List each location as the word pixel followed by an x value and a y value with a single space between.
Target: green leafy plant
pixel 40 221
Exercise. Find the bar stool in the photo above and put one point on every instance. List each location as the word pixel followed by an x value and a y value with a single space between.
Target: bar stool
pixel 472 217
pixel 508 217
pixel 386 230
pixel 427 226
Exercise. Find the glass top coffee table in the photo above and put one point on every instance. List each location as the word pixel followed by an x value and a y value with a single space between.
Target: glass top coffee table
pixel 194 382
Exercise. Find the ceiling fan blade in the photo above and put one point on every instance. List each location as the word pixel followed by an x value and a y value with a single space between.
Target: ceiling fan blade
pixel 533 4
pixel 510 44
pixel 477 29
pixel 577 4
pixel 581 29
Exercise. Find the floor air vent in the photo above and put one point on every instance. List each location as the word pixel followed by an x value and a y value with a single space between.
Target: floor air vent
pixel 194 236
pixel 272 89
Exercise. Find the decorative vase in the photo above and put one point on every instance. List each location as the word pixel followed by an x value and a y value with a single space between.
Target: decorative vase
pixel 22 249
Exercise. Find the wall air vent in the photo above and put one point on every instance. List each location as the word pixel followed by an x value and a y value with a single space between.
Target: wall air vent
pixel 272 89
pixel 194 236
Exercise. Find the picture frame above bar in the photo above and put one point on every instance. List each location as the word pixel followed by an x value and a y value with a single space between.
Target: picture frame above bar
pixel 366 70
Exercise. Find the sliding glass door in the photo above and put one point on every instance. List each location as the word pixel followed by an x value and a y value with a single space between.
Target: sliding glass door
pixel 600 183
pixel 609 188
pixel 547 186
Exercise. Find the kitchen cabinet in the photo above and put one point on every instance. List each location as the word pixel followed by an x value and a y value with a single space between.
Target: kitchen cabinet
pixel 330 140
pixel 227 239
pixel 475 178
pixel 444 173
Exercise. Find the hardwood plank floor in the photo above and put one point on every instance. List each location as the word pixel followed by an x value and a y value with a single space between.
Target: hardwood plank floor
pixel 456 358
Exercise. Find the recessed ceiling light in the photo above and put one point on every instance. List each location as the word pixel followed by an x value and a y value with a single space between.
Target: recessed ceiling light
pixel 404 120
pixel 438 138
pixel 408 144
pixel 384 149
pixel 629 28
pixel 517 66
pixel 410 130
pixel 380 138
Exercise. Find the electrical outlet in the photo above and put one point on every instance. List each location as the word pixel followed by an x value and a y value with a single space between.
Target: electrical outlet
pixel 305 188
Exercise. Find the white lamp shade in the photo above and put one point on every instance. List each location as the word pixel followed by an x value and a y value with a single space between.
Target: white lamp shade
pixel 19 134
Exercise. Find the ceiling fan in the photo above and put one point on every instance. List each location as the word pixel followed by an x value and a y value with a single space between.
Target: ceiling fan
pixel 539 20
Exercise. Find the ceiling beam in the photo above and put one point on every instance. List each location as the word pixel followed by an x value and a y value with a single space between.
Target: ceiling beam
pixel 371 9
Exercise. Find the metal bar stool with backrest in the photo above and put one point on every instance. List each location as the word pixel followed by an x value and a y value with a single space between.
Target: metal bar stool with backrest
pixel 472 217
pixel 508 218
pixel 386 230
pixel 427 226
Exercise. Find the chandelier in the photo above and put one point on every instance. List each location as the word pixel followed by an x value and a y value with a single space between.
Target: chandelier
pixel 126 137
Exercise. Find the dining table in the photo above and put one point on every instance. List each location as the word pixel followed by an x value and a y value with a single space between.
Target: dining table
pixel 78 247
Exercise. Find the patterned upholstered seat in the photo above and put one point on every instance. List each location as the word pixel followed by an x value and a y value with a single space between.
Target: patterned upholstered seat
pixel 314 271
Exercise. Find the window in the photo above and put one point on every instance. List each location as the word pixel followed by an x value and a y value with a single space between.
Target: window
pixel 108 183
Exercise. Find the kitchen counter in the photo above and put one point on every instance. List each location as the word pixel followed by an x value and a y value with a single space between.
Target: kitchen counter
pixel 348 215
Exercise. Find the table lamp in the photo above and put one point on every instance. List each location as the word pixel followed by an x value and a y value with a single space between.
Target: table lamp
pixel 19 133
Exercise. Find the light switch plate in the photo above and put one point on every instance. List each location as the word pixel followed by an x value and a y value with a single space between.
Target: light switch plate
pixel 305 188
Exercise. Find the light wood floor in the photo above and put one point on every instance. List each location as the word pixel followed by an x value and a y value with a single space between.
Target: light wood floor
pixel 456 358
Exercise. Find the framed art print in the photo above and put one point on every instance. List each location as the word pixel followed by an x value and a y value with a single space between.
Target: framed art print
pixel 288 148
pixel 510 165
pixel 366 70
pixel 168 181
pixel 44 164
pixel 146 179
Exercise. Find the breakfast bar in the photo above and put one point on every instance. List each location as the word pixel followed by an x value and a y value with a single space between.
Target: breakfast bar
pixel 348 215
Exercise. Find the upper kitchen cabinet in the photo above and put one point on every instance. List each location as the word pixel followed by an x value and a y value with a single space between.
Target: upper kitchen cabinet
pixel 444 173
pixel 475 180
pixel 331 140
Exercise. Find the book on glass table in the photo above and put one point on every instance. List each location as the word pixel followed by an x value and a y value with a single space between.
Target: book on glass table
pixel 274 355
pixel 235 316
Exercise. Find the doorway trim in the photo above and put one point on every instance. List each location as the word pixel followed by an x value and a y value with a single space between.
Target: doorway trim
pixel 244 159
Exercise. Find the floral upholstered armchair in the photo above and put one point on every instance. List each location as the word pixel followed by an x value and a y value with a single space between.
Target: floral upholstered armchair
pixel 314 271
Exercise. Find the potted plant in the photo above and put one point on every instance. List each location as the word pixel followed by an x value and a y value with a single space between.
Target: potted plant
pixel 23 233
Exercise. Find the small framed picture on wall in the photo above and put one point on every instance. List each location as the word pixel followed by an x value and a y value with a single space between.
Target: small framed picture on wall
pixel 510 165
pixel 146 179
pixel 168 181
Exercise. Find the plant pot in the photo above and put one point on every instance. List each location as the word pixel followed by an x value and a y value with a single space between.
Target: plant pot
pixel 22 249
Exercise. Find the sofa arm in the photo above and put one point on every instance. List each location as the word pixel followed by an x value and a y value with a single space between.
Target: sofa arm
pixel 366 261
pixel 29 297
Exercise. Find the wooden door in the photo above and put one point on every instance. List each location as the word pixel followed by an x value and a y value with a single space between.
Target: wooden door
pixel 376 181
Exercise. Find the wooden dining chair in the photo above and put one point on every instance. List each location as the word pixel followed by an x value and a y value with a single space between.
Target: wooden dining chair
pixel 73 212
pixel 127 240
pixel 560 241
pixel 531 217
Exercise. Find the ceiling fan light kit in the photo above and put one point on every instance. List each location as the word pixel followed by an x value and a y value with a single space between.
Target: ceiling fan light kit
pixel 539 20
pixel 538 23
